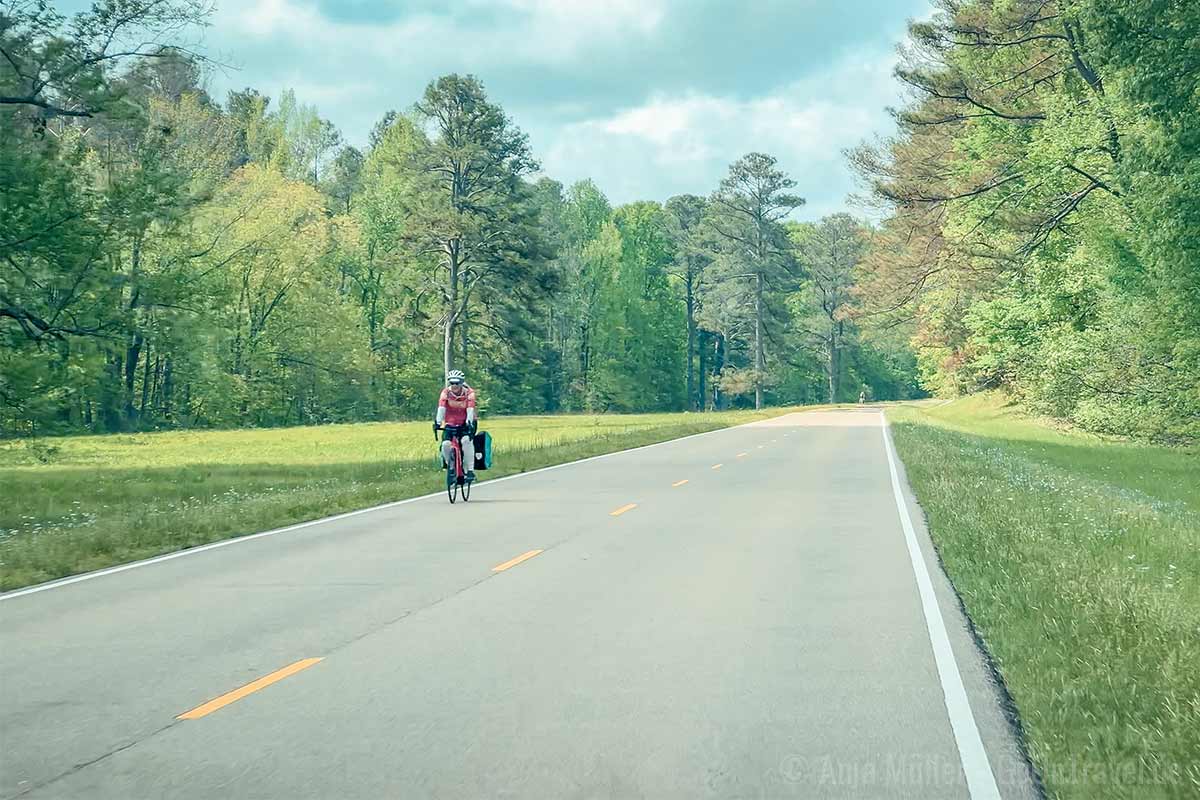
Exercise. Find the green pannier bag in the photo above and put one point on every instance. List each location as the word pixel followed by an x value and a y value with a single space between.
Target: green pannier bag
pixel 483 450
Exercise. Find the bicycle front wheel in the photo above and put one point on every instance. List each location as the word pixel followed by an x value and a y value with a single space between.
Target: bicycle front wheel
pixel 451 485
pixel 466 491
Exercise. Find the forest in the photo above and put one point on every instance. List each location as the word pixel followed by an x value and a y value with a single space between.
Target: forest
pixel 171 259
pixel 1043 222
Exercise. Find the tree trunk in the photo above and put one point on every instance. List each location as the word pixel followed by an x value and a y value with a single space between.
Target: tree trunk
pixel 168 386
pixel 156 387
pixel 451 308
pixel 703 369
pixel 552 374
pixel 691 344
pixel 463 325
pixel 718 366
pixel 584 358
pixel 371 318
pixel 145 387
pixel 830 371
pixel 759 361
pixel 109 403
pixel 834 366
pixel 132 354
pixel 134 349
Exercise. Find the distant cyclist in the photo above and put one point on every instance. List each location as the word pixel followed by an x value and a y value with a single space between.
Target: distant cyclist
pixel 456 416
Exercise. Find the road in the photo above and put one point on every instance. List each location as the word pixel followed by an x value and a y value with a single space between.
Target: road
pixel 646 624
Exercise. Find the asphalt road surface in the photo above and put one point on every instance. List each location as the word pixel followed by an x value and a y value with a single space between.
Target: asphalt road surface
pixel 738 614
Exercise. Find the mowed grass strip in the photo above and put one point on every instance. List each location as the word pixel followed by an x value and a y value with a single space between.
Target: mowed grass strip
pixel 74 504
pixel 1079 561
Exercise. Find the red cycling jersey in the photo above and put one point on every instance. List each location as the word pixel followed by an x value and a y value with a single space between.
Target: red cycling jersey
pixel 456 407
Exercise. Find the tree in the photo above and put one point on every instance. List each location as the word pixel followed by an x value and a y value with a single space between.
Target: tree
pixel 92 212
pixel 303 140
pixel 828 253
pixel 258 135
pixel 171 262
pixel 380 128
pixel 269 269
pixel 685 215
pixel 726 326
pixel 53 67
pixel 392 180
pixel 549 311
pixel 472 211
pixel 586 266
pixel 53 244
pixel 639 345
pixel 746 215
pixel 1041 189
pixel 345 177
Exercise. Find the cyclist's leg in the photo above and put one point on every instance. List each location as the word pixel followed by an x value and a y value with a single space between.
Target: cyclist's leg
pixel 447 453
pixel 468 451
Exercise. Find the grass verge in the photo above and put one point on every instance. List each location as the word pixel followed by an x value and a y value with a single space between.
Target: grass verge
pixel 1078 560
pixel 75 504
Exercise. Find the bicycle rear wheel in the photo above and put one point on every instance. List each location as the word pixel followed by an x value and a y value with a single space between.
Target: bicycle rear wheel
pixel 466 491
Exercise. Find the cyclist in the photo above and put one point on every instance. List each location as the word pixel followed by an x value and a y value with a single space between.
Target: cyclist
pixel 456 412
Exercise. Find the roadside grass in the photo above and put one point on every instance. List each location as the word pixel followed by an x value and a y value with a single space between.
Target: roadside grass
pixel 74 504
pixel 1078 559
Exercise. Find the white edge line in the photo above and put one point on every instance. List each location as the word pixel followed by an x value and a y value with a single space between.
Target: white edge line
pixel 981 782
pixel 100 573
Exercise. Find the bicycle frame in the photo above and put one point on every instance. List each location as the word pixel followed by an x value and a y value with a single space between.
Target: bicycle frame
pixel 456 444
pixel 456 480
pixel 454 434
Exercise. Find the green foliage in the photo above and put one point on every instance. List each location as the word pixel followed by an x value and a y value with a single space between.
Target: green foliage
pixel 639 347
pixel 1046 233
pixel 754 267
pixel 168 261
pixel 58 66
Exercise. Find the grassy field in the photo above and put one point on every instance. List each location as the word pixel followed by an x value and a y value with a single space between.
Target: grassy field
pixel 1079 561
pixel 68 505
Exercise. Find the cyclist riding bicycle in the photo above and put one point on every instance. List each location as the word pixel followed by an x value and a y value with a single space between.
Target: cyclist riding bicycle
pixel 456 416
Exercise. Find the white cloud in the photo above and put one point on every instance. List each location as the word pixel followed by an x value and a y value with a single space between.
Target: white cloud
pixel 605 88
pixel 685 143
pixel 544 32
pixel 592 15
pixel 678 129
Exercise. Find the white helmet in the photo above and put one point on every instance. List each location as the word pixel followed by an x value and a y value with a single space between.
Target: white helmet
pixel 455 376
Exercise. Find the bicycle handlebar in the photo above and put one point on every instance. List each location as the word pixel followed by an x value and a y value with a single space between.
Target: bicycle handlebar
pixel 462 430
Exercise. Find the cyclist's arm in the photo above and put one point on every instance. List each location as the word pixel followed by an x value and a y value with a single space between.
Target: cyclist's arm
pixel 441 409
pixel 470 406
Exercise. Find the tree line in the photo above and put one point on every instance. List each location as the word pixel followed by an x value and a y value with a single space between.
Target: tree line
pixel 168 259
pixel 1043 233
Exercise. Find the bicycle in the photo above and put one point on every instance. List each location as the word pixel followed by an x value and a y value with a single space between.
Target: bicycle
pixel 456 476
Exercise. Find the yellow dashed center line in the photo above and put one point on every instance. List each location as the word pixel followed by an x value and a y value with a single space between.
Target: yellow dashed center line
pixel 679 483
pixel 717 466
pixel 513 562
pixel 622 509
pixel 249 688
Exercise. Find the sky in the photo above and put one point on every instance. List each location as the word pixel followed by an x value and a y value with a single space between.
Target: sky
pixel 649 98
